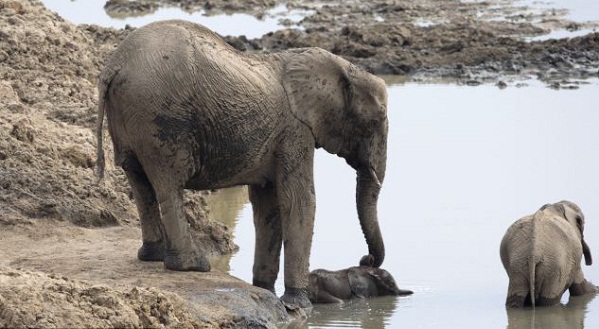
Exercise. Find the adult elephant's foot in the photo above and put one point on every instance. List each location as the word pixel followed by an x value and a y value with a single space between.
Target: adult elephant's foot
pixel 192 261
pixel 295 299
pixel 270 286
pixel 151 251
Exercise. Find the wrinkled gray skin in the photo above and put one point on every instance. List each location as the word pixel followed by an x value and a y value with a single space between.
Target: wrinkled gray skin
pixel 187 111
pixel 362 281
pixel 541 254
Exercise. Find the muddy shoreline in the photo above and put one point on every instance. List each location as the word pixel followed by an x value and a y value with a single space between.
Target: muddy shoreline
pixel 472 42
pixel 61 229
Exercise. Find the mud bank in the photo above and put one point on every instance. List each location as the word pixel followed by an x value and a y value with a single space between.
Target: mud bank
pixel 468 40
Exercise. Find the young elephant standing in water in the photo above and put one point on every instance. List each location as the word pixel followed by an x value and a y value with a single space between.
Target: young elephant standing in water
pixel 355 282
pixel 541 254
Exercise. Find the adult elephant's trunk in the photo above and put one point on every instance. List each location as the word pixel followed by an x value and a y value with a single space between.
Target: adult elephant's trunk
pixel 367 193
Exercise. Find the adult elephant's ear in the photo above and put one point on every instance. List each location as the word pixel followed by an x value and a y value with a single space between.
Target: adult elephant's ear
pixel 312 81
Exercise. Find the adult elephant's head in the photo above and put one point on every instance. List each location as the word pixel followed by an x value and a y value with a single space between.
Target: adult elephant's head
pixel 346 109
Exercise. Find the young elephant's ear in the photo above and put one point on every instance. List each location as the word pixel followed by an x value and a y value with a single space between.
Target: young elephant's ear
pixel 574 215
pixel 586 251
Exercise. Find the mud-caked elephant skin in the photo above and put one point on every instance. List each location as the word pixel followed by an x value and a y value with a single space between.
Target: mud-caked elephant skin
pixel 541 254
pixel 187 111
pixel 362 281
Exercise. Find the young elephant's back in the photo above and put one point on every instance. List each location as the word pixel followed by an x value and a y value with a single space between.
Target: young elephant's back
pixel 556 245
pixel 516 244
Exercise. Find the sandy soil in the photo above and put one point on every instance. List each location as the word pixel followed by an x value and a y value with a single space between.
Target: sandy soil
pixel 68 244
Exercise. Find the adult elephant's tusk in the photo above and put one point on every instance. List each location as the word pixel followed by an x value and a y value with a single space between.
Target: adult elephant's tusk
pixel 374 177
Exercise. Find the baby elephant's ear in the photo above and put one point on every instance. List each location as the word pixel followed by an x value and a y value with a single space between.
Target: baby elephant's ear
pixel 359 283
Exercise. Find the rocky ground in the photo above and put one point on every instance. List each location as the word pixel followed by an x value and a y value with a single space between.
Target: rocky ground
pixel 68 243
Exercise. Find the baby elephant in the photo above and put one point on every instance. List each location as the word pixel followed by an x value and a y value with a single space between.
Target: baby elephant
pixel 541 254
pixel 355 282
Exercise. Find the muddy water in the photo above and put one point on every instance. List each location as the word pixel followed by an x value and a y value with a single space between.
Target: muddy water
pixel 464 163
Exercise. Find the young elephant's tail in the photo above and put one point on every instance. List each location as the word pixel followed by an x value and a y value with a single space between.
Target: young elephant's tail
pixel 532 266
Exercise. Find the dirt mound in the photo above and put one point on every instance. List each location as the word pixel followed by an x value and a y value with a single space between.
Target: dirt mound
pixel 32 299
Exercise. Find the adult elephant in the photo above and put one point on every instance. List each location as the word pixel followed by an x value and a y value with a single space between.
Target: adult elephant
pixel 187 111
pixel 541 254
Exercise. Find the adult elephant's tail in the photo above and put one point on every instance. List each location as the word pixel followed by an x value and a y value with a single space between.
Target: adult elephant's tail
pixel 106 78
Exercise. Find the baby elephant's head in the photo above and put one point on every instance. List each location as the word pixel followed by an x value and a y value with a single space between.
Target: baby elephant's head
pixel 382 279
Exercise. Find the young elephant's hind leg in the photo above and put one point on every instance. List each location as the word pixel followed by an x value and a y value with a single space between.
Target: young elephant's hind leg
pixel 518 294
pixel 152 232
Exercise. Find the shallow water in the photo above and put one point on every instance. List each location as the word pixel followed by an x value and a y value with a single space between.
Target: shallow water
pixel 92 12
pixel 464 163
pixel 577 10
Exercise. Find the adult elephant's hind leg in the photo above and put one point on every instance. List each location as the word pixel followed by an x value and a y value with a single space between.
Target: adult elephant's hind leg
pixel 153 247
pixel 181 253
pixel 267 222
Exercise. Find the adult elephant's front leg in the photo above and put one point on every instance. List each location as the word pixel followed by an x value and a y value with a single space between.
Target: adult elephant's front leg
pixel 295 192
pixel 269 235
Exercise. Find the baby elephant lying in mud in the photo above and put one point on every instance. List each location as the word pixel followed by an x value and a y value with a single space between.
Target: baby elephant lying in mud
pixel 355 282
pixel 541 254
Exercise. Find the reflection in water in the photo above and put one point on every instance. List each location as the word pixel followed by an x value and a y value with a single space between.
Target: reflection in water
pixel 570 316
pixel 225 206
pixel 358 313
